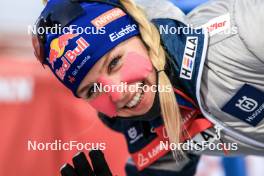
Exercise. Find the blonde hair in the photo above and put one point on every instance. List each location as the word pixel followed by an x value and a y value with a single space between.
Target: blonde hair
pixel 151 37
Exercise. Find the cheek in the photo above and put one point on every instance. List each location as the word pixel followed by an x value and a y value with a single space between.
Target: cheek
pixel 135 68
pixel 115 95
pixel 104 104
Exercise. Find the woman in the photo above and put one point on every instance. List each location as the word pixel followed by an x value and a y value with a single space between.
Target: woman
pixel 209 78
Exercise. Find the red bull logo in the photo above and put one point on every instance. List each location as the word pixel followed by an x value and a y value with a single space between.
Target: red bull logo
pixel 57 47
pixel 57 50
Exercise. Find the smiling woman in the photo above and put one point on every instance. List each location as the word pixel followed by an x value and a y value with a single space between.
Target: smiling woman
pixel 215 95
pixel 128 61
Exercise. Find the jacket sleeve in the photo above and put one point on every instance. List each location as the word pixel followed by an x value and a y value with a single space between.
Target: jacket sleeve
pixel 249 16
pixel 161 9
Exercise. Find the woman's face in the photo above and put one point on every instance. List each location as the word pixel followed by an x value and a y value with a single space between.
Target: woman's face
pixel 122 73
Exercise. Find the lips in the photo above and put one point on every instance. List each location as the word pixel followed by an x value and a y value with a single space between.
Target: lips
pixel 136 99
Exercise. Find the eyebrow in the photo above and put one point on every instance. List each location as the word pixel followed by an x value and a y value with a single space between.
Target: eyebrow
pixel 100 70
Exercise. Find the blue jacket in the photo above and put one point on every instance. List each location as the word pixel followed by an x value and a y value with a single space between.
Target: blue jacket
pixel 185 52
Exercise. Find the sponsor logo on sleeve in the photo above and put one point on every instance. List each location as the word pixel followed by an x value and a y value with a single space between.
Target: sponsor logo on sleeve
pixel 218 24
pixel 247 105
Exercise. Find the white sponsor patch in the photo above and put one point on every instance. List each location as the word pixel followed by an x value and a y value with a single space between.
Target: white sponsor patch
pixel 124 31
pixel 218 24
pixel 188 59
pixel 108 17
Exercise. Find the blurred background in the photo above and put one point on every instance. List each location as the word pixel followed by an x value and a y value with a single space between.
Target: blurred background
pixel 34 106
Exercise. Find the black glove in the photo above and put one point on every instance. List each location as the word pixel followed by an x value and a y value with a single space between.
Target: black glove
pixel 83 168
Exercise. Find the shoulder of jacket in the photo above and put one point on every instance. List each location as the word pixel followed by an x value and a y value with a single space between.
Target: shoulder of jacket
pixel 161 9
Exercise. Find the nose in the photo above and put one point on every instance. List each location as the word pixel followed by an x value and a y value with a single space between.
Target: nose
pixel 112 87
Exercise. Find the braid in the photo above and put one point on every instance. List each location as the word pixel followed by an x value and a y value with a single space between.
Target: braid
pixel 151 37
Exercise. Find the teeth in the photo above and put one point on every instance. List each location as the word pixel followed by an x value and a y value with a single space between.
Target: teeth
pixel 136 99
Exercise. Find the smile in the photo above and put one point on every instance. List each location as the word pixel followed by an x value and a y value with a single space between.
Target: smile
pixel 136 99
